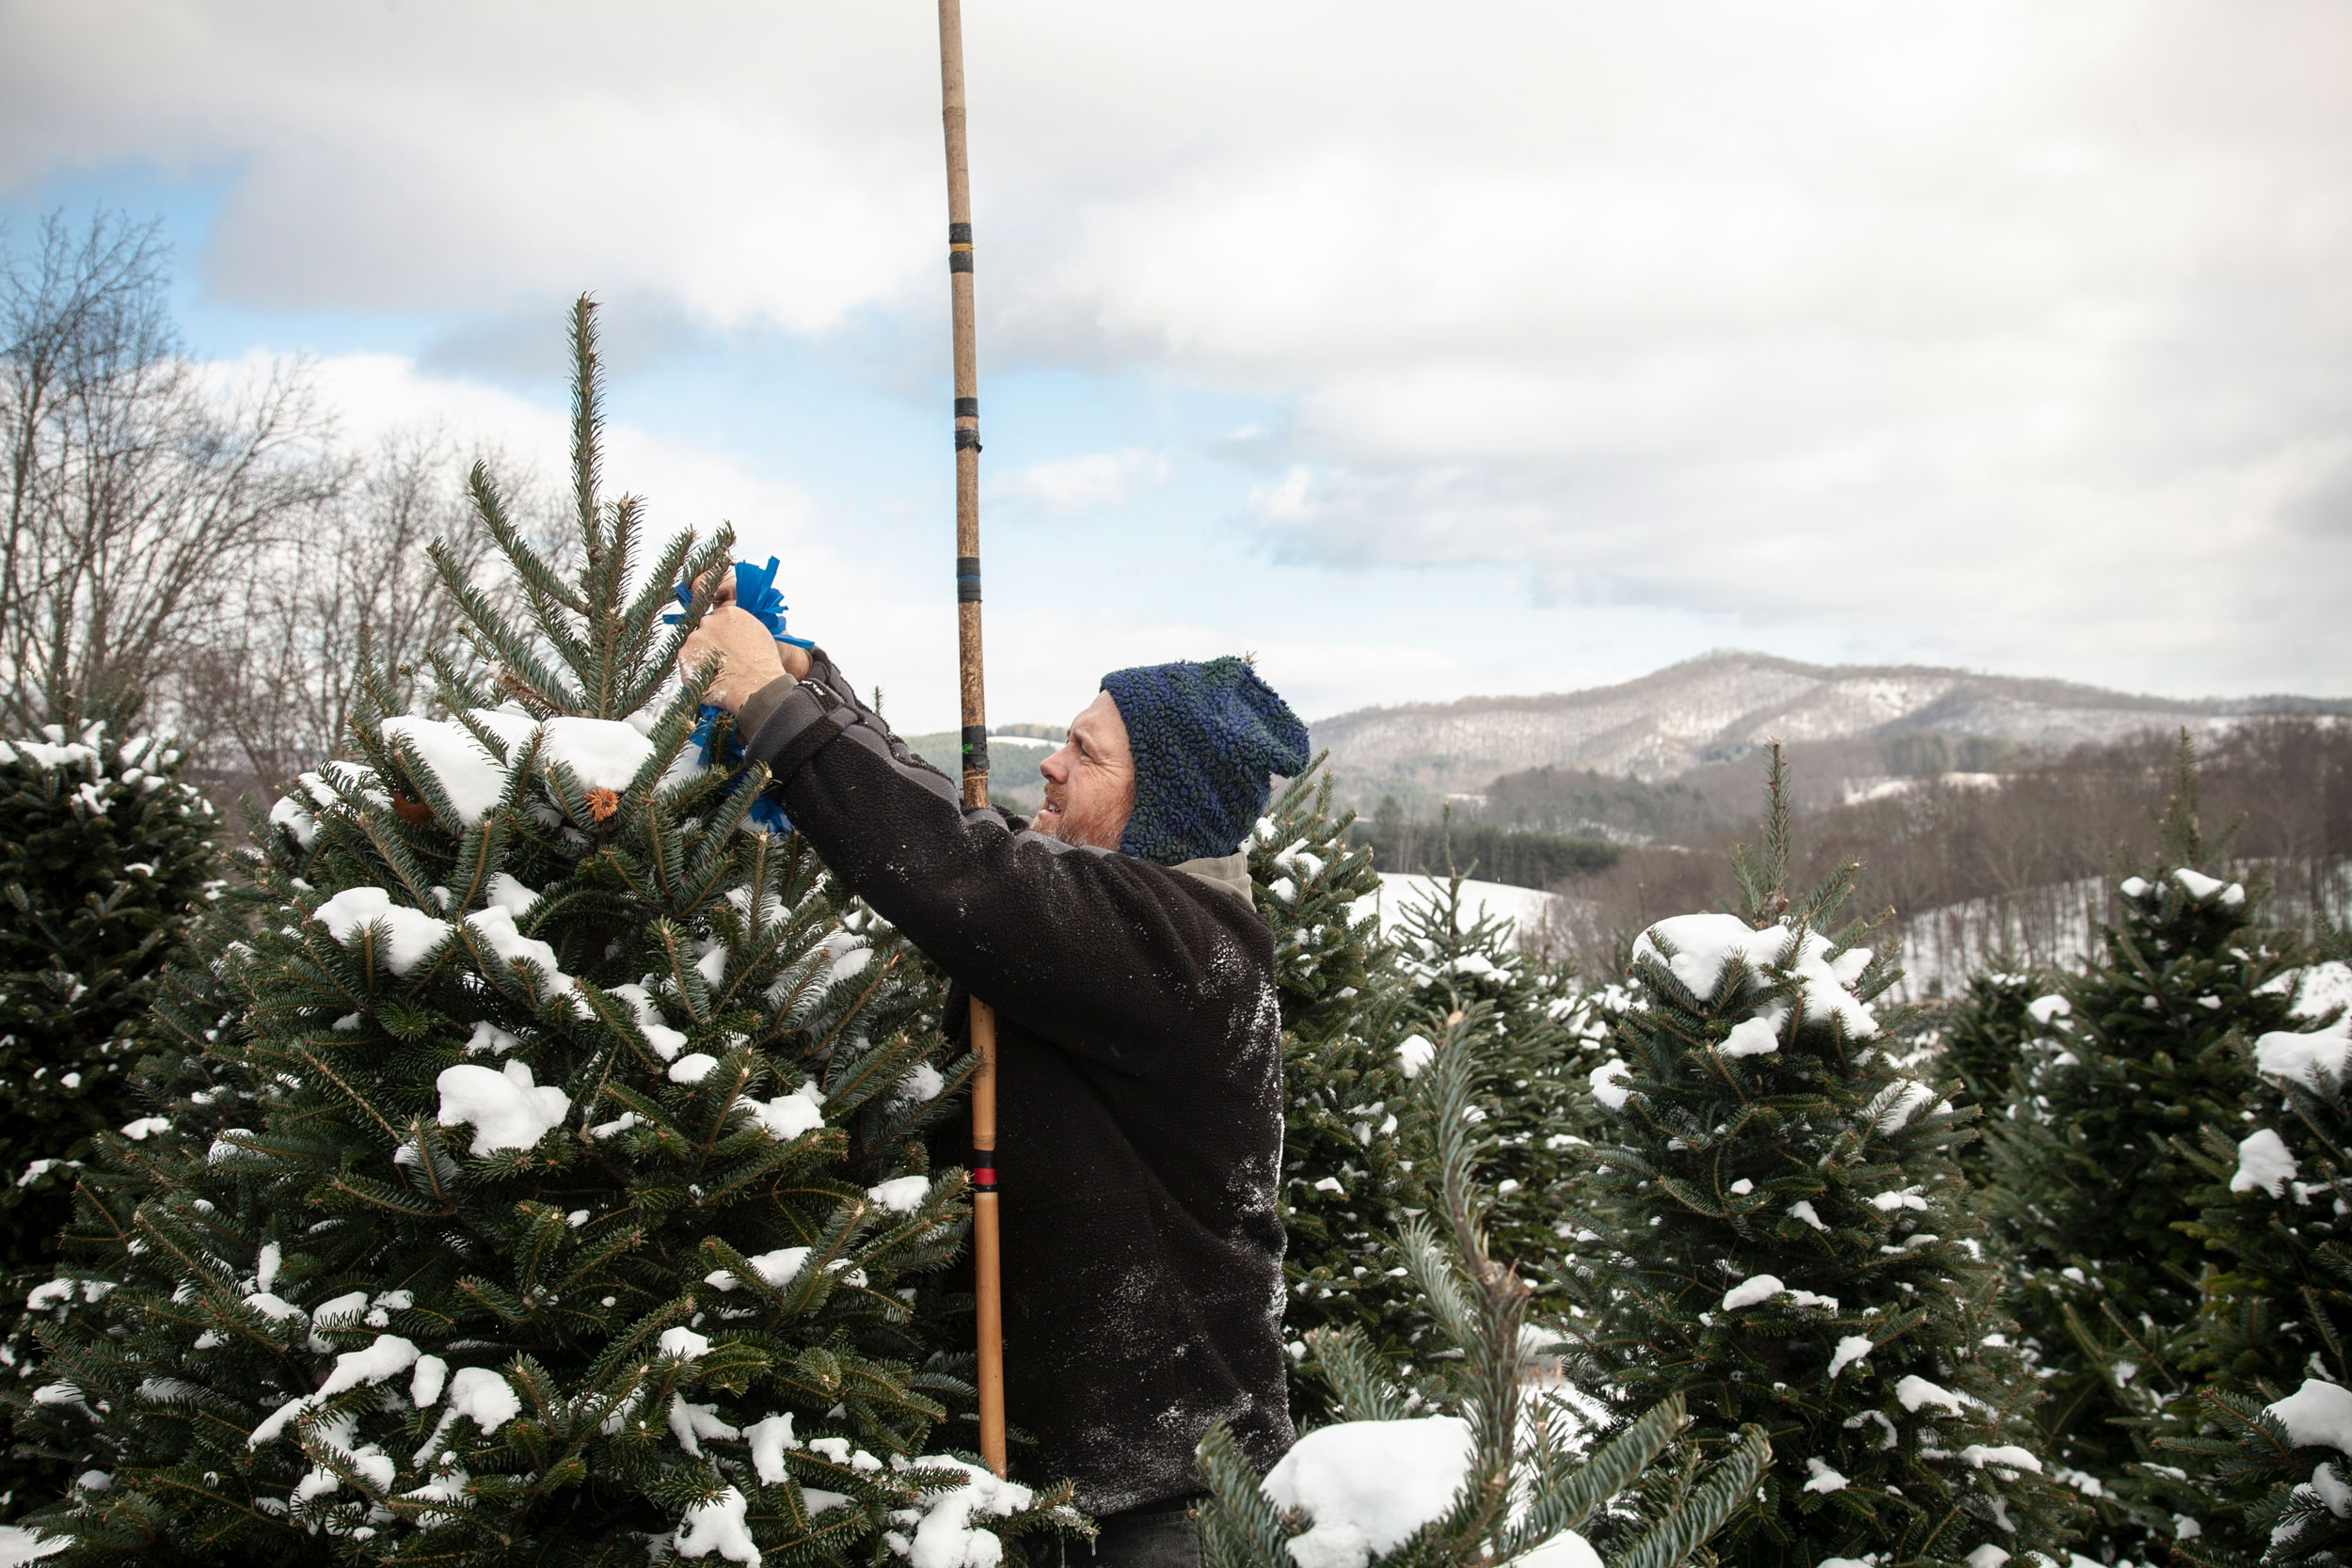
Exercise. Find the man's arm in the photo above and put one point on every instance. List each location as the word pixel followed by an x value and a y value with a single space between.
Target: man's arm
pixel 1108 957
pixel 820 671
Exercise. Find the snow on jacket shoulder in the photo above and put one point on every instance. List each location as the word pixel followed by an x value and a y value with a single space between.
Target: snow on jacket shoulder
pixel 1139 1094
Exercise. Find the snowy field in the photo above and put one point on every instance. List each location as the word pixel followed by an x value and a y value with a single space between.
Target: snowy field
pixel 1400 891
pixel 2055 926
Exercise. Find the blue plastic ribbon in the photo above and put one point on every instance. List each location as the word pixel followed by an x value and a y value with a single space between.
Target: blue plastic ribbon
pixel 756 592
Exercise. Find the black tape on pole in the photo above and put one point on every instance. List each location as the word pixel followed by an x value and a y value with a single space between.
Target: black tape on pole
pixel 967 437
pixel 967 408
pixel 968 579
pixel 976 748
pixel 984 1169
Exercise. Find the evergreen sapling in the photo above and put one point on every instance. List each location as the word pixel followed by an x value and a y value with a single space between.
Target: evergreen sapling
pixel 2269 1350
pixel 1477 1464
pixel 2095 1171
pixel 1788 1241
pixel 1345 1089
pixel 104 855
pixel 1536 1096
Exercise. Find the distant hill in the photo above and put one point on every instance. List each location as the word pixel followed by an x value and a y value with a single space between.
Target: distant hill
pixel 1013 752
pixel 1720 706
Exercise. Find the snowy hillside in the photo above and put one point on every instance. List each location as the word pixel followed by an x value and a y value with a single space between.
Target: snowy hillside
pixel 1668 723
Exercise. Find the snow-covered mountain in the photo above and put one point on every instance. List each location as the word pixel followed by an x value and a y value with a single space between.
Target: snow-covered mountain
pixel 1722 704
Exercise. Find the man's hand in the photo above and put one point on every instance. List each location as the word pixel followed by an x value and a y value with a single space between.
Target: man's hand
pixel 748 657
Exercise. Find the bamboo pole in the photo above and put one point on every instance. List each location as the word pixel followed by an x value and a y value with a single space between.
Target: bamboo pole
pixel 987 1288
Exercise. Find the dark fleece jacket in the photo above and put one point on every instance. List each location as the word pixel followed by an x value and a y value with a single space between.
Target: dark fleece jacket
pixel 1139 1073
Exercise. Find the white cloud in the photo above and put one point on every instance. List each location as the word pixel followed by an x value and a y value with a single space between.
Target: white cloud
pixel 2007 333
pixel 1092 482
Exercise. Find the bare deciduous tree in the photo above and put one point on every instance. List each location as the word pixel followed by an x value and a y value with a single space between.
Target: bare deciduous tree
pixel 350 588
pixel 141 493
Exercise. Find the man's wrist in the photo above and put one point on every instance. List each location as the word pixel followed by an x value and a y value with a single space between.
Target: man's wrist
pixel 761 705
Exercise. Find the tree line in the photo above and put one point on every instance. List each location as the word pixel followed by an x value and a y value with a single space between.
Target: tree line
pixel 202 541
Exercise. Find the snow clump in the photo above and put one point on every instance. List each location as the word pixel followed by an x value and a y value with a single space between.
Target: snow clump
pixel 789 1115
pixel 19 1545
pixel 1566 1549
pixel 412 933
pixel 2201 887
pixel 2319 990
pixel 2307 1058
pixel 901 1194
pixel 1705 945
pixel 2263 1165
pixel 946 1536
pixel 1607 1082
pixel 1414 1052
pixel 1367 1486
pixel 777 1268
pixel 468 775
pixel 1850 1348
pixel 505 1108
pixel 388 1358
pixel 2042 1009
pixel 603 753
pixel 1916 1391
pixel 2318 1414
pixel 718 1526
pixel 1764 1287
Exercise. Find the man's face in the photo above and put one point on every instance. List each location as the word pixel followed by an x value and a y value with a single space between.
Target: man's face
pixel 1091 782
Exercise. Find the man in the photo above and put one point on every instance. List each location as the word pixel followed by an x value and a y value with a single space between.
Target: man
pixel 1140 1060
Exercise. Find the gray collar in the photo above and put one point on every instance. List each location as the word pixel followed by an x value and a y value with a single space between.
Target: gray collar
pixel 1230 873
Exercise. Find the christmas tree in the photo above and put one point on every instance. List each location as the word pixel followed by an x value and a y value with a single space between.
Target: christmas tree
pixel 1983 1035
pixel 104 855
pixel 2094 1170
pixel 576 1208
pixel 2277 1302
pixel 1345 1169
pixel 1535 1098
pixel 2269 1348
pixel 1310 880
pixel 1474 1465
pixel 1984 1032
pixel 1788 1242
pixel 1359 1013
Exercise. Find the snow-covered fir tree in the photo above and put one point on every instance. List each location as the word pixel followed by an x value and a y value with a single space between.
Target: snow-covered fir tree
pixel 1786 1240
pixel 105 853
pixel 569 1203
pixel 1478 1462
pixel 1360 1012
pixel 1309 881
pixel 1536 1096
pixel 2094 1171
pixel 1983 1032
pixel 2277 1302
pixel 1346 1088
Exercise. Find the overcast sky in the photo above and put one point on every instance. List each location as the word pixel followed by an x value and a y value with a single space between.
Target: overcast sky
pixel 1426 350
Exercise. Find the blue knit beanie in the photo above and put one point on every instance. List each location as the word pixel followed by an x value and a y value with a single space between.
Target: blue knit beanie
pixel 1205 739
